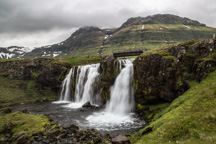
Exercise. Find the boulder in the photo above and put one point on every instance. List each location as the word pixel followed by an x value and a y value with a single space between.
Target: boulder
pixel 25 111
pixel 121 139
pixel 87 105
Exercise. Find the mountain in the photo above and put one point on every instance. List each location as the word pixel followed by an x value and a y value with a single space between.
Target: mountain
pixel 136 33
pixel 13 52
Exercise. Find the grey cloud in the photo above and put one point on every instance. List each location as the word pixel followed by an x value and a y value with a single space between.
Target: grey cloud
pixel 20 17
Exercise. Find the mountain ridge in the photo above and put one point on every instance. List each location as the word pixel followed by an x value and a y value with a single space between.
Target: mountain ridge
pixel 136 33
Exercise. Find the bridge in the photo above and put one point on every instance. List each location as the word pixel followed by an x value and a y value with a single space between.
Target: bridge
pixel 127 53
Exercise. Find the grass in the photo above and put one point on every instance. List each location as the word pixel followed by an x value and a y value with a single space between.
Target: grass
pixel 83 60
pixel 163 51
pixel 190 118
pixel 17 91
pixel 27 124
pixel 6 60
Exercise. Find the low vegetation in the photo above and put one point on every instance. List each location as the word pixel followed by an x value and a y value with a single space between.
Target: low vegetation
pixel 190 118
pixel 80 60
pixel 20 91
pixel 21 123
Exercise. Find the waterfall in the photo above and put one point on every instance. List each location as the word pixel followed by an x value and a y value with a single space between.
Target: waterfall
pixel 118 113
pixel 87 83
pixel 66 86
pixel 86 89
pixel 121 99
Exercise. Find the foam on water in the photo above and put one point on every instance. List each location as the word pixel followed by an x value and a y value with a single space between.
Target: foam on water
pixel 61 102
pixel 118 112
pixel 110 121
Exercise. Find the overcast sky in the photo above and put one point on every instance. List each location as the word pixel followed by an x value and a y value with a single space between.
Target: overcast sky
pixel 36 23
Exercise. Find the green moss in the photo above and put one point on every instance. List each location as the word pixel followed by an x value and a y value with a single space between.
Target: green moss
pixel 136 84
pixel 35 74
pixel 31 84
pixel 190 118
pixel 145 92
pixel 139 107
pixel 18 91
pixel 189 54
pixel 7 60
pixel 25 123
pixel 170 57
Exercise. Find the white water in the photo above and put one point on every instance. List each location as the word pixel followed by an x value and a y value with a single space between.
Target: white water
pixel 66 87
pixel 122 99
pixel 118 112
pixel 86 83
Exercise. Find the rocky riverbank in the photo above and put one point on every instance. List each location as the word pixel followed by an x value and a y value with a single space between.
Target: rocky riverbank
pixel 42 129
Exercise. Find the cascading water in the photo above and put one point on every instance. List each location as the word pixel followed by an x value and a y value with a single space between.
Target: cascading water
pixel 66 87
pixel 118 112
pixel 86 86
pixel 122 99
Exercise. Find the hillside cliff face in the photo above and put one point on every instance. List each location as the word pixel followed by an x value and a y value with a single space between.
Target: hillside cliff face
pixel 136 33
pixel 43 71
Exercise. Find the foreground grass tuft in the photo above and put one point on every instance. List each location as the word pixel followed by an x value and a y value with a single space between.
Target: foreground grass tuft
pixel 27 124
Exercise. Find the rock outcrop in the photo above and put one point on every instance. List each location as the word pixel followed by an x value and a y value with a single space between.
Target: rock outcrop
pixel 43 71
pixel 164 74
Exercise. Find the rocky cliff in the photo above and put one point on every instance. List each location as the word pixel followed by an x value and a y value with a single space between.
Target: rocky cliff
pixel 44 72
pixel 164 74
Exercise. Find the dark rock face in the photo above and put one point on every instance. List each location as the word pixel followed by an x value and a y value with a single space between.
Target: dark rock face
pixel 87 104
pixel 109 72
pixel 163 76
pixel 42 71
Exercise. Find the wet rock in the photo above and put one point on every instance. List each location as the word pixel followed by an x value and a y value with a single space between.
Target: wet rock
pixel 6 110
pixel 22 139
pixel 97 140
pixel 87 105
pixel 25 111
pixel 53 133
pixel 121 139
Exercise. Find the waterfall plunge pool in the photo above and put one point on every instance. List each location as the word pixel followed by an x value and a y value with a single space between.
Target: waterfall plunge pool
pixel 116 118
pixel 100 120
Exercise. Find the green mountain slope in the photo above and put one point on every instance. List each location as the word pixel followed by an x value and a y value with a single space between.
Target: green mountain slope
pixel 136 33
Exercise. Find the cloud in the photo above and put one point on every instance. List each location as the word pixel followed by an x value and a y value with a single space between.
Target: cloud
pixel 25 18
